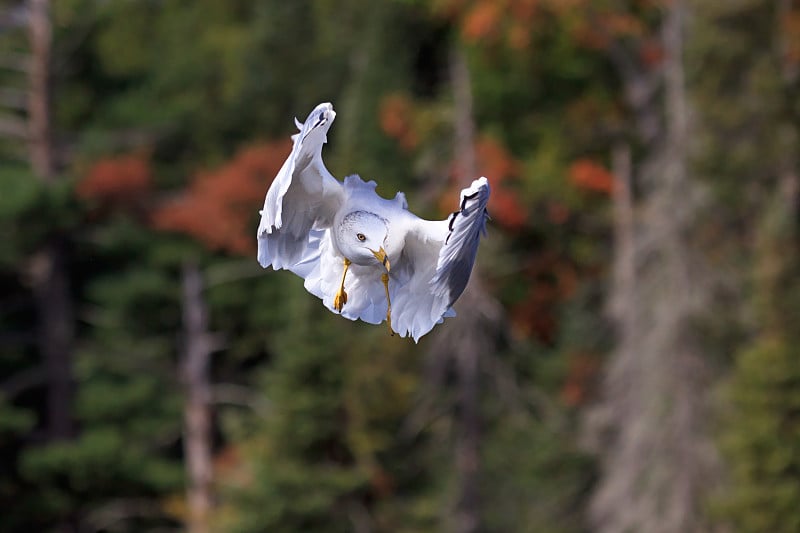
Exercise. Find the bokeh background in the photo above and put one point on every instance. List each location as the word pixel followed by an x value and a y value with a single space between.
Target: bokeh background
pixel 626 357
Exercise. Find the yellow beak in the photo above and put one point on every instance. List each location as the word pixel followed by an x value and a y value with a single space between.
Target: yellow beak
pixel 380 255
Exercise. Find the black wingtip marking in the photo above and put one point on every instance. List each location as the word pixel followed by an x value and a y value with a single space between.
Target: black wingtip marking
pixel 453 217
pixel 321 120
pixel 455 214
pixel 468 197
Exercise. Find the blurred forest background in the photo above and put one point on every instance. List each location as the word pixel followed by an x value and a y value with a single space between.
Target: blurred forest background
pixel 627 356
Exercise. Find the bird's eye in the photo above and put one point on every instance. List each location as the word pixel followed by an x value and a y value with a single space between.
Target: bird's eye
pixel 361 237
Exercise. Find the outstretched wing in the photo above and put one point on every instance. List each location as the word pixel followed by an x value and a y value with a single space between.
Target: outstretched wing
pixel 436 263
pixel 461 245
pixel 302 200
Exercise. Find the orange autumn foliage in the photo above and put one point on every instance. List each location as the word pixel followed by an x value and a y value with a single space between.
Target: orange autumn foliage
pixel 513 22
pixel 622 24
pixel 121 179
pixel 505 208
pixel 534 317
pixel 790 29
pixel 395 117
pixel 494 159
pixel 590 176
pixel 381 481
pixel 219 207
pixel 551 280
pixel 495 162
pixel 603 25
pixel 581 378
pixel 557 213
pixel 493 20
pixel 482 20
pixel 511 19
pixel 651 52
pixel 499 166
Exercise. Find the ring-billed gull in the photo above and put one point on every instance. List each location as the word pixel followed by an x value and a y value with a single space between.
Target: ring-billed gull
pixel 366 257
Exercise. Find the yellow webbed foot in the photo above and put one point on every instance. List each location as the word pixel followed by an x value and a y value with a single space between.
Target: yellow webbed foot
pixel 340 299
pixel 389 321
pixel 385 280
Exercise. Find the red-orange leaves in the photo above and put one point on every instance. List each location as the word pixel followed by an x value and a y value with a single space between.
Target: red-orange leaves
pixel 219 207
pixel 122 179
pixel 482 20
pixel 599 26
pixel 550 280
pixel 496 163
pixel 396 120
pixel 494 159
pixel 651 52
pixel 489 20
pixel 580 379
pixel 790 32
pixel 591 176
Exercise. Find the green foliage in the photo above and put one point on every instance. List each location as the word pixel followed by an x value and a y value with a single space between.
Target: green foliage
pixel 14 420
pixel 31 211
pixel 128 402
pixel 299 470
pixel 328 450
pixel 762 439
pixel 532 482
pixel 335 426
pixel 749 137
pixel 761 430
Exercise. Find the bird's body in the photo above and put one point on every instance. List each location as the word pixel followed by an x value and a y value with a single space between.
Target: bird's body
pixel 365 256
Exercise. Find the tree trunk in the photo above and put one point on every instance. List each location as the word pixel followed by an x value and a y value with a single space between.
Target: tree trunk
pixel 50 266
pixel 465 342
pixel 657 461
pixel 623 304
pixel 195 364
pixel 467 355
pixel 39 90
pixel 466 351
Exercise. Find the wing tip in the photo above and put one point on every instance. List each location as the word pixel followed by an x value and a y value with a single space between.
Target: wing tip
pixel 477 185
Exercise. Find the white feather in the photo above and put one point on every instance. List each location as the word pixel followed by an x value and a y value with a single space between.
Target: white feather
pixel 430 261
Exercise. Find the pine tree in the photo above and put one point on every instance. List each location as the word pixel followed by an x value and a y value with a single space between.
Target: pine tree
pixel 761 432
pixel 749 103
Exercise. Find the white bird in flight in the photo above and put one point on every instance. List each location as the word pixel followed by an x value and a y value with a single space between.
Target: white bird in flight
pixel 366 257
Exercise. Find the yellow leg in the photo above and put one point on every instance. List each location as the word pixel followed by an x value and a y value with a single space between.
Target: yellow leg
pixel 340 298
pixel 385 280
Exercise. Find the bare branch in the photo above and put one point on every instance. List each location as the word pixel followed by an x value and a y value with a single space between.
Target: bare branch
pixel 39 90
pixel 195 363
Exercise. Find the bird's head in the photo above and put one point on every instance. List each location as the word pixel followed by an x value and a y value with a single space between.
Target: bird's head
pixel 362 237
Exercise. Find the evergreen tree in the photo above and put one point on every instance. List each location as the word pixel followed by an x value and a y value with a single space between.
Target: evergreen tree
pixel 761 431
pixel 173 116
pixel 749 136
